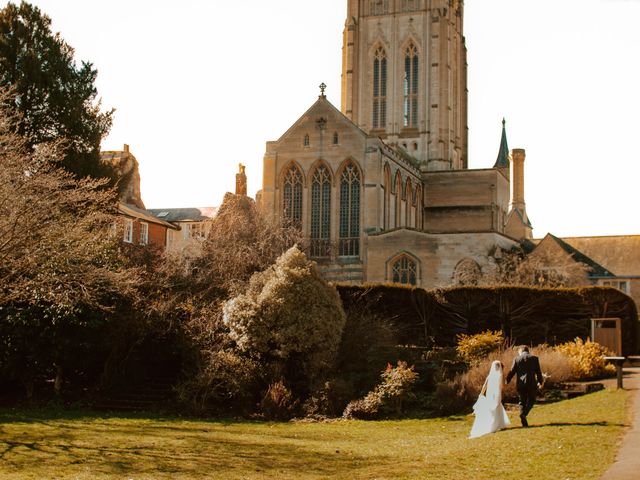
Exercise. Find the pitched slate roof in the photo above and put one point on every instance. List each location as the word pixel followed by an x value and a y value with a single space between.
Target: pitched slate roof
pixel 618 253
pixel 193 214
pixel 142 214
pixel 597 270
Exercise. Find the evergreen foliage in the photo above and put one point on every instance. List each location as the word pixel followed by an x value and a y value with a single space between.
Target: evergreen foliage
pixel 290 319
pixel 56 99
pixel 525 315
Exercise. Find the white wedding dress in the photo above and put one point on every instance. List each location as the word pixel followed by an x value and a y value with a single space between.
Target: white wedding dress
pixel 490 414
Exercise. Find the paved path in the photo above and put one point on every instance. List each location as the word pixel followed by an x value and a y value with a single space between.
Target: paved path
pixel 627 464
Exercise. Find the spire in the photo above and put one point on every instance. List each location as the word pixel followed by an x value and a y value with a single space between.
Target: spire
pixel 503 152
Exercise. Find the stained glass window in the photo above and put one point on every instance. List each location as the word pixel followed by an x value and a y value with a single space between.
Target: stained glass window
pixel 292 196
pixel 410 86
pixel 349 244
pixel 320 213
pixel 405 270
pixel 380 88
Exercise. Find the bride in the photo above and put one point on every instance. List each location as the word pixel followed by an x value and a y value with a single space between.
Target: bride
pixel 490 414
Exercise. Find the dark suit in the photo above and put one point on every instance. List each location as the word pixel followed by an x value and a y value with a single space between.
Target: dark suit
pixel 526 367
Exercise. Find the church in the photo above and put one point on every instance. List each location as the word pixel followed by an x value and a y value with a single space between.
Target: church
pixel 381 186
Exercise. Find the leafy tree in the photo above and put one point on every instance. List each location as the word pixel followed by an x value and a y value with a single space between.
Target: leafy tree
pixel 289 319
pixel 55 98
pixel 61 273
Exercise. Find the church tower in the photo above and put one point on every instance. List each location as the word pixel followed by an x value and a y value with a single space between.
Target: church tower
pixel 404 77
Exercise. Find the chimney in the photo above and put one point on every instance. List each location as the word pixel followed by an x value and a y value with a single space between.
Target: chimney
pixel 517 179
pixel 241 181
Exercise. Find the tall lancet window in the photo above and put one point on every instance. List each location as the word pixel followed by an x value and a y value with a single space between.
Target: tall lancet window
pixel 410 86
pixel 379 88
pixel 292 196
pixel 349 245
pixel 320 213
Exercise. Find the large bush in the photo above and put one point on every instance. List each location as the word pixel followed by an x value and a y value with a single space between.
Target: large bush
pixel 290 320
pixel 474 348
pixel 463 390
pixel 388 397
pixel 587 359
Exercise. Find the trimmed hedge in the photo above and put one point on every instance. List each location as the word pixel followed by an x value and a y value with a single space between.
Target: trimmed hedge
pixel 524 315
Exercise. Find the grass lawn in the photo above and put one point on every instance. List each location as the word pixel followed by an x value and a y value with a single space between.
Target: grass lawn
pixel 575 439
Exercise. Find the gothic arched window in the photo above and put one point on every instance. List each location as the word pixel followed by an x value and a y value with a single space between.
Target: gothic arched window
pixel 292 196
pixel 320 212
pixel 379 88
pixel 336 138
pixel 408 193
pixel 404 269
pixel 349 211
pixel 467 272
pixel 387 197
pixel 410 86
pixel 398 203
pixel 306 140
pixel 418 203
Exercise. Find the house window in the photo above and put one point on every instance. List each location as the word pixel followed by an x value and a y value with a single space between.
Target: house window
pixel 144 233
pixel 292 196
pixel 320 212
pixel 349 244
pixel 193 230
pixel 410 86
pixel 306 140
pixel 128 230
pixel 405 270
pixel 380 88
pixel 623 286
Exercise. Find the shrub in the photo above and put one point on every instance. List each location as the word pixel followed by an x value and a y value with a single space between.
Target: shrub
pixel 278 402
pixel 474 348
pixel 461 392
pixel 223 379
pixel 290 320
pixel 587 359
pixel 388 396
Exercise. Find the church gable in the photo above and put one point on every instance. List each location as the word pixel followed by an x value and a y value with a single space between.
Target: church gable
pixel 321 126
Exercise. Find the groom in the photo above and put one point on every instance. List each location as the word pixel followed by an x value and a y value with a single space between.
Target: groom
pixel 529 376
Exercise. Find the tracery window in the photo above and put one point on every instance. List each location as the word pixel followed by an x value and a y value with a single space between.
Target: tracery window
pixel 378 7
pixel 398 203
pixel 380 88
pixel 292 196
pixel 349 244
pixel 410 5
pixel 320 213
pixel 405 270
pixel 418 203
pixel 410 86
pixel 387 197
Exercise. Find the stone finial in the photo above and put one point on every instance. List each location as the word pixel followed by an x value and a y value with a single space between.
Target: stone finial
pixel 241 181
pixel 126 148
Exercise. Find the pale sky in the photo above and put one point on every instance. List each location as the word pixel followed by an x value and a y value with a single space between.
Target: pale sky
pixel 200 85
